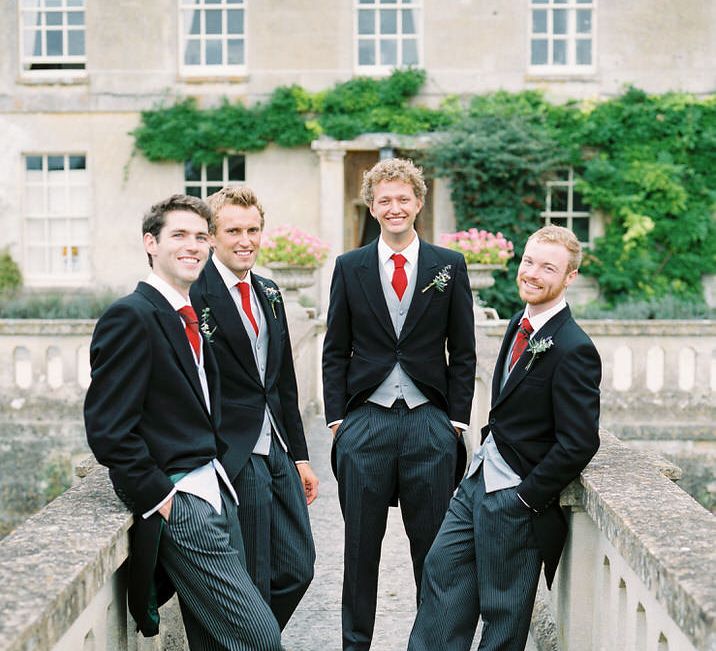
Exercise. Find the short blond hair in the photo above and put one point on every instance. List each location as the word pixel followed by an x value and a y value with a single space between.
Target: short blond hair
pixel 393 169
pixel 233 195
pixel 561 235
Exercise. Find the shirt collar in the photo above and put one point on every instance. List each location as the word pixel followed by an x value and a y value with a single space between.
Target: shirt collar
pixel 176 300
pixel 410 252
pixel 229 277
pixel 539 320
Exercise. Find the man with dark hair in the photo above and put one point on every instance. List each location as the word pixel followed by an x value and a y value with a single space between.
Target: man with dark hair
pixel 152 417
pixel 395 401
pixel 267 456
pixel 505 521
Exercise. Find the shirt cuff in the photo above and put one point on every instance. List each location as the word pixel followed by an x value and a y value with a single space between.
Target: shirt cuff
pixel 160 505
pixel 301 461
pixel 335 422
pixel 459 425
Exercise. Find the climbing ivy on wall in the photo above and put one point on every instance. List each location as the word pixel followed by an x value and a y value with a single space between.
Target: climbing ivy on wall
pixel 648 163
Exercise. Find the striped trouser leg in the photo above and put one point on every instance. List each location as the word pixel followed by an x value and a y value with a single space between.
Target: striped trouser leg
pixel 280 554
pixel 448 610
pixel 508 567
pixel 199 549
pixel 426 477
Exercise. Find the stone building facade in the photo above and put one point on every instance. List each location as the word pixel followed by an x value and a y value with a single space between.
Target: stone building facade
pixel 74 75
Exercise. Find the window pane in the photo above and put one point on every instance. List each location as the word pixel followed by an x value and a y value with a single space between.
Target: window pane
pixel 366 21
pixel 210 189
pixel 410 52
pixel 235 52
pixel 58 230
pixel 367 2
pixel 79 231
pixel 212 22
pixel 584 21
pixel 559 53
pixel 215 172
pixel 366 52
pixel 191 53
pixel 559 21
pixel 539 21
pixel 560 2
pixel 213 53
pixel 192 22
pixel 388 21
pixel 54 43
pixel 193 191
pixel 75 3
pixel 76 18
pixel 409 21
pixel 55 163
pixel 559 199
pixel 35 259
pixel 191 172
pixel 539 52
pixel 53 18
pixel 76 42
pixel 34 198
pixel 35 230
pixel 79 201
pixel 237 168
pixel 388 53
pixel 53 3
pixel 33 162
pixel 584 52
pixel 578 204
pixel 77 162
pixel 580 227
pixel 539 2
pixel 56 200
pixel 235 21
pixel 558 221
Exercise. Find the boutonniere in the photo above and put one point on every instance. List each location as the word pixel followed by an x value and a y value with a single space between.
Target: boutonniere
pixel 537 347
pixel 273 295
pixel 441 279
pixel 204 327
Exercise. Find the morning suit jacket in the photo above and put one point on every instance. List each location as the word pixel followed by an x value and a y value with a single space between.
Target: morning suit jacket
pixel 361 347
pixel 244 397
pixel 146 419
pixel 545 422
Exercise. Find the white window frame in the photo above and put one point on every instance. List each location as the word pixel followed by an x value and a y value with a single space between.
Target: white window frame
pixel 571 37
pixel 570 214
pixel 65 7
pixel 50 277
pixel 377 69
pixel 203 184
pixel 212 70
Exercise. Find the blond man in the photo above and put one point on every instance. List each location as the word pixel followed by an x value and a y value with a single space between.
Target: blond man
pixel 395 402
pixel 267 456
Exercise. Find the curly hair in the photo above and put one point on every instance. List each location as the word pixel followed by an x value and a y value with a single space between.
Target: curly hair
pixel 561 235
pixel 393 169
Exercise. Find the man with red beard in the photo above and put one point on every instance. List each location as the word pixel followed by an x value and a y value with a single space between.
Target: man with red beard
pixel 504 521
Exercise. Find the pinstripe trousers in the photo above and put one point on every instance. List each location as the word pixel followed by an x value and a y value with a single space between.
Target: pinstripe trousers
pixel 484 562
pixel 276 530
pixel 382 452
pixel 202 554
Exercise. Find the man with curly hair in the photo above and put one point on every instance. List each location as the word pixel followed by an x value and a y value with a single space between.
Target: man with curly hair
pixel 398 377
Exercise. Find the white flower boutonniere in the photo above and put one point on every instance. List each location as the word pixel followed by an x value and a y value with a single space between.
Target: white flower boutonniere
pixel 537 347
pixel 441 279
pixel 204 327
pixel 273 295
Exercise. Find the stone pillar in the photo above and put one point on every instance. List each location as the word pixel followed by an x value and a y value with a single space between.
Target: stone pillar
pixel 332 216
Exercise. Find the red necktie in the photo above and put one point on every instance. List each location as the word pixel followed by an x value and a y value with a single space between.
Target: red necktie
pixel 245 292
pixel 191 327
pixel 400 279
pixel 523 336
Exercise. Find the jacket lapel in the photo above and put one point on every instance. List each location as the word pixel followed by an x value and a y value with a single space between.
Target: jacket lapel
pixel 427 268
pixel 519 372
pixel 171 324
pixel 272 324
pixel 504 349
pixel 228 321
pixel 369 276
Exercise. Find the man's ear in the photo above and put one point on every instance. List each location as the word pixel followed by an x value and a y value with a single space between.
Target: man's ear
pixel 569 278
pixel 150 244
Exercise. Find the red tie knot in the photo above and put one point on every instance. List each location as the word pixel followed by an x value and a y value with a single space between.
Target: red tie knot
pixel 188 315
pixel 398 260
pixel 526 326
pixel 244 289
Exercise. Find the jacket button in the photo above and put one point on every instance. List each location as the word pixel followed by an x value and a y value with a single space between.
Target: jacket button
pixel 492 421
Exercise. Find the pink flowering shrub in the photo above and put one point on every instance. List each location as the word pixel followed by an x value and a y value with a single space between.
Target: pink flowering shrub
pixel 479 247
pixel 292 246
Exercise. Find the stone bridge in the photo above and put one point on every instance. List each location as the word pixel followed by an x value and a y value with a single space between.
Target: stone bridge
pixel 639 570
